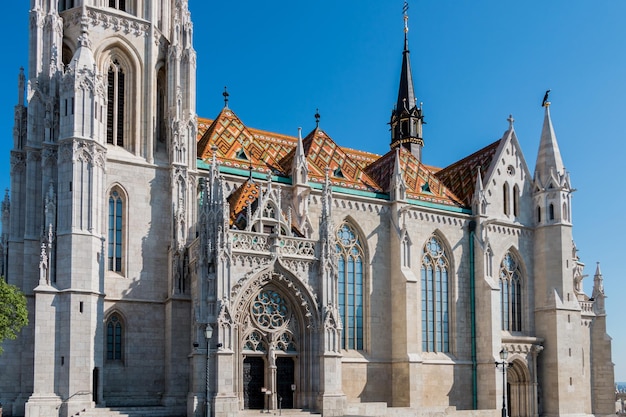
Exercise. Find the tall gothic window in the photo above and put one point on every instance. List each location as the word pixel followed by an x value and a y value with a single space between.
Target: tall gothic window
pixel 505 198
pixel 114 337
pixel 115 104
pixel 516 200
pixel 116 236
pixel 350 286
pixel 511 293
pixel 435 308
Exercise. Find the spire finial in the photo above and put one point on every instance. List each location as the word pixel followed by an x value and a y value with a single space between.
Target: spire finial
pixel 225 94
pixel 405 12
pixel 317 118
pixel 511 120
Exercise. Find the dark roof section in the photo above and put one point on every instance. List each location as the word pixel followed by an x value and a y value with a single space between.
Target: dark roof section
pixel 460 177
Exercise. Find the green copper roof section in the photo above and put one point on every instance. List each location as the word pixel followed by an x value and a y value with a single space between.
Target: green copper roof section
pixel 369 194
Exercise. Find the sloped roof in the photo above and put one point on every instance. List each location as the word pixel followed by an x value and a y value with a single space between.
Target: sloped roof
pixel 421 182
pixel 460 177
pixel 242 147
pixel 245 195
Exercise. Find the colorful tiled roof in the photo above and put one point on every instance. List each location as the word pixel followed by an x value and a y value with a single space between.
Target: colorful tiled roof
pixel 245 195
pixel 422 184
pixel 241 147
pixel 460 177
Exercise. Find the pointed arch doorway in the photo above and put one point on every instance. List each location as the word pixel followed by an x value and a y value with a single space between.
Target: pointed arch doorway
pixel 520 393
pixel 271 335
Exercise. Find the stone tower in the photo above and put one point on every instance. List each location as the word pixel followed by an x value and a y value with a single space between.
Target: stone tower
pixel 557 310
pixel 104 151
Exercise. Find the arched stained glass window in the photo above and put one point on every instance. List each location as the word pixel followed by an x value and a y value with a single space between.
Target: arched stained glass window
pixel 350 286
pixel 116 214
pixel 435 307
pixel 511 293
pixel 114 338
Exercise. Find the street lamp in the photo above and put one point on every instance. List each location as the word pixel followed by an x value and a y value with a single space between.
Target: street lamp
pixel 208 333
pixel 503 356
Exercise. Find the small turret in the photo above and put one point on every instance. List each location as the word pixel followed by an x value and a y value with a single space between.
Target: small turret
pixel 598 291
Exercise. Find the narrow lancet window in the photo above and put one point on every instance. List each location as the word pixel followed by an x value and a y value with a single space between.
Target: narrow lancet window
pixel 350 286
pixel 435 308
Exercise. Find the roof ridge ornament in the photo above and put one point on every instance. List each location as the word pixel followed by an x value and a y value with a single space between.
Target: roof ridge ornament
pixel 226 95
pixel 317 118
pixel 511 120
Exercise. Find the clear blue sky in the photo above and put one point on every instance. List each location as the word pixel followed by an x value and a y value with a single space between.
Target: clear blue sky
pixel 473 64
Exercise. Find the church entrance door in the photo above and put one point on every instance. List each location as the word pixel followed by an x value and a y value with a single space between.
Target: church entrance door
pixel 253 380
pixel 284 380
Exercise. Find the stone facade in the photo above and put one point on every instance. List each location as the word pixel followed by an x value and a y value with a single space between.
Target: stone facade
pixel 202 264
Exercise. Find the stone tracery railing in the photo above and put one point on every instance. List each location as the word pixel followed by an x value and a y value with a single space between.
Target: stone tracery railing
pixel 289 246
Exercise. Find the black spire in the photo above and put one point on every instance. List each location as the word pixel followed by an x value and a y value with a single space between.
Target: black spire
pixel 406 118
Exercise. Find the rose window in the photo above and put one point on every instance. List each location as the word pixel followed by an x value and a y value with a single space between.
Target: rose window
pixel 269 310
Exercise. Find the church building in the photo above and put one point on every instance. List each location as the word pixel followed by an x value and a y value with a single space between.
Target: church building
pixel 190 266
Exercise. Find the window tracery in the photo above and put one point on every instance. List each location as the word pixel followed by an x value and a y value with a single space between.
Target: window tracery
pixel 114 337
pixel 435 306
pixel 511 293
pixel 269 310
pixel 350 286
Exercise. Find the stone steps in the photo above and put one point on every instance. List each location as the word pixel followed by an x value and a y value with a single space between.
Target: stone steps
pixel 287 412
pixel 127 412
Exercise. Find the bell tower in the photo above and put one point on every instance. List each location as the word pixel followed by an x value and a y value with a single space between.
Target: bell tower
pixel 407 118
pixel 105 128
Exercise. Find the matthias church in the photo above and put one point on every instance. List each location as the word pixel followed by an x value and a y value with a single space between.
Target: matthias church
pixel 194 266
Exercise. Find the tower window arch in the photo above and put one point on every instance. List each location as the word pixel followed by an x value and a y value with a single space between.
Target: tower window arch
pixel 114 341
pixel 551 211
pixel 435 305
pixel 116 224
pixel 116 82
pixel 350 286
pixel 511 293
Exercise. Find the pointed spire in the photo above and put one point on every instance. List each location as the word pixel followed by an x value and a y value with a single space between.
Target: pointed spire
pixel 479 200
pixel 299 169
pixel 598 291
pixel 83 57
pixel 397 186
pixel 549 160
pixel 406 118
pixel 406 95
